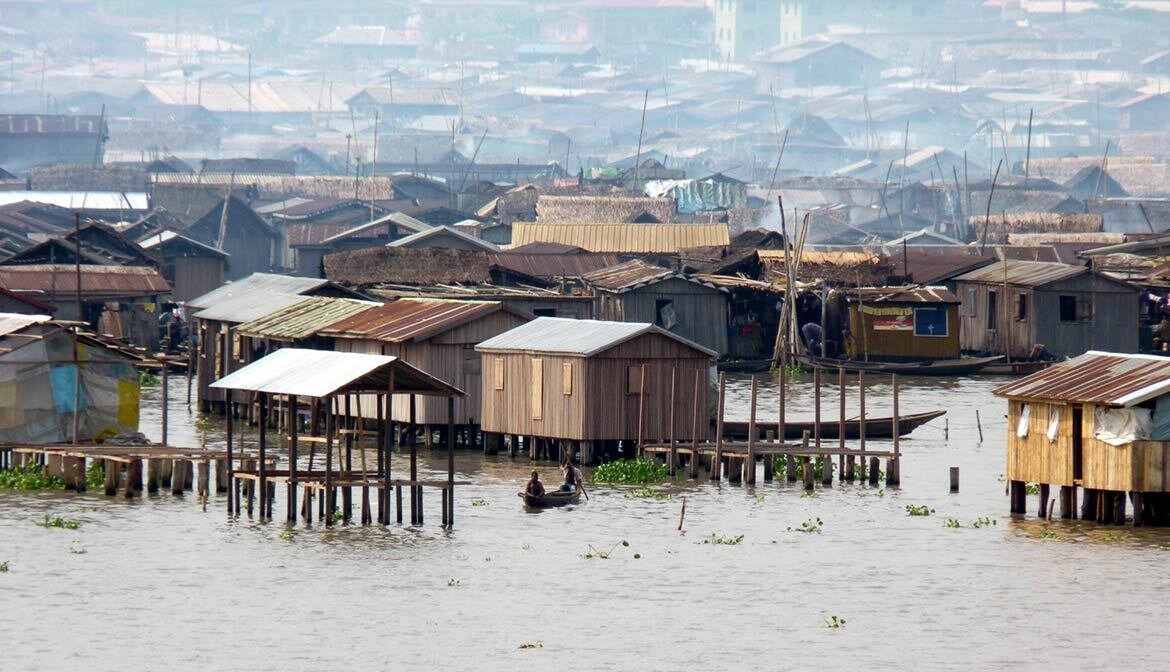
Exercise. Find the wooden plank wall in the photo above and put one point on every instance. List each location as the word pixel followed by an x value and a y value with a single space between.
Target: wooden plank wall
pixel 904 345
pixel 1034 458
pixel 195 276
pixel 1113 305
pixel 702 311
pixel 1139 466
pixel 510 410
pixel 974 336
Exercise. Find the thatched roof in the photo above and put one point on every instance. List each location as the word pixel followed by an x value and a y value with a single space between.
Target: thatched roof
pixel 587 209
pixel 407 266
pixel 282 186
pixel 81 177
pixel 1036 222
pixel 1092 182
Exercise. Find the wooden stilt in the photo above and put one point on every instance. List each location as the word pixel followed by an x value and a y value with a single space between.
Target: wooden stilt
pixel 698 422
pixel 893 466
pixel 861 424
pixel 673 462
pixel 1043 508
pixel 717 463
pixel 749 465
pixel 841 422
pixel 262 465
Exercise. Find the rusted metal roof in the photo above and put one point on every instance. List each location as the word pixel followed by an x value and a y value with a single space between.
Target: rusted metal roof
pixel 629 275
pixel 303 318
pixel 910 294
pixel 257 286
pixel 548 266
pixel 96 281
pixel 1024 273
pixel 412 319
pixel 1102 378
pixel 624 238
pixel 320 373
pixel 585 338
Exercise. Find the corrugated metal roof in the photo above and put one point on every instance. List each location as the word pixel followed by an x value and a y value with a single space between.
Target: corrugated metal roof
pixel 320 373
pixel 905 295
pixel 106 281
pixel 628 275
pixel 1103 378
pixel 154 240
pixel 1024 273
pixel 559 335
pixel 247 307
pixel 624 238
pixel 80 200
pixel 258 286
pixel 410 319
pixel 303 318
pixel 13 322
pixel 415 238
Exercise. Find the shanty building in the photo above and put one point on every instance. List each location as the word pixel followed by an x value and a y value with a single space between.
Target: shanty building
pixel 295 325
pixel 221 310
pixel 636 291
pixel 1010 306
pixel 1099 422
pixel 122 301
pixel 234 227
pixel 904 323
pixel 593 383
pixel 192 268
pixel 438 336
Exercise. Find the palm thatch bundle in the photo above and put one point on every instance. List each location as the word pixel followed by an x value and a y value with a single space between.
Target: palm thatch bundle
pixel 603 208
pixel 285 186
pixel 999 227
pixel 407 266
pixel 84 177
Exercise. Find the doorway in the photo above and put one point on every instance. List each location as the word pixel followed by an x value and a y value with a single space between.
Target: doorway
pixel 1077 416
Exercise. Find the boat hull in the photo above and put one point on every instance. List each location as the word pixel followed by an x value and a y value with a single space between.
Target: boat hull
pixel 550 499
pixel 875 428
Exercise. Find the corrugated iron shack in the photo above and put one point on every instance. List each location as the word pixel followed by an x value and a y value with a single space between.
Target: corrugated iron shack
pixel 1099 422
pixel 438 336
pixel 904 323
pixel 592 384
pixel 1011 306
pixel 637 291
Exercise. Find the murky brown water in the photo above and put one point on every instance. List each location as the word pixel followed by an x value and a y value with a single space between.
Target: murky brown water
pixel 164 585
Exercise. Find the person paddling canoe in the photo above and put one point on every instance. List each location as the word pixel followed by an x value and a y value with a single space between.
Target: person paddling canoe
pixel 534 487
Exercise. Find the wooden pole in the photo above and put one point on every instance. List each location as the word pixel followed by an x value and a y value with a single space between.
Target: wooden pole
pixel 263 467
pixel 698 423
pixel 817 407
pixel 293 429
pixel 641 409
pixel 841 420
pixel 892 475
pixel 450 494
pixel 717 463
pixel 327 496
pixel 388 447
pixel 861 422
pixel 749 464
pixel 165 401
pixel 230 462
pixel 673 403
pixel 414 503
pixel 954 479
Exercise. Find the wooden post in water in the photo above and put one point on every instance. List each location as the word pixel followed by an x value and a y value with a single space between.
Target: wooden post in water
pixel 389 448
pixel 954 479
pixel 327 496
pixel 449 493
pixel 894 466
pixel 230 468
pixel 165 400
pixel 781 429
pixel 293 431
pixel 673 402
pixel 817 407
pixel 697 424
pixel 860 426
pixel 1068 499
pixel 414 494
pixel 263 466
pixel 641 409
pixel 841 421
pixel 749 464
pixel 717 463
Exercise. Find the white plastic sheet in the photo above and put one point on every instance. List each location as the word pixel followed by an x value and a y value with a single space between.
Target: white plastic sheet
pixel 1119 426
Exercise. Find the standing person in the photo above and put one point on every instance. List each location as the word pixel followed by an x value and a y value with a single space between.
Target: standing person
pixel 572 477
pixel 534 488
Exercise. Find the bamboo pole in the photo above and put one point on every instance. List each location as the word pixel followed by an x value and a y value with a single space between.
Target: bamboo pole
pixel 673 395
pixel 717 464
pixel 641 409
pixel 698 423
pixel 749 464
pixel 841 419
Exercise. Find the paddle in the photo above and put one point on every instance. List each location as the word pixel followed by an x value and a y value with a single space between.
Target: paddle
pixel 581 485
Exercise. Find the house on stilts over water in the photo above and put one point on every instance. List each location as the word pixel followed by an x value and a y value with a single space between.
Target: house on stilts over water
pixel 1098 424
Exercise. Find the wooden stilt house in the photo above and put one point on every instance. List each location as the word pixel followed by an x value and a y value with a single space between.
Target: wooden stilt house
pixel 904 323
pixel 592 383
pixel 439 337
pixel 1100 424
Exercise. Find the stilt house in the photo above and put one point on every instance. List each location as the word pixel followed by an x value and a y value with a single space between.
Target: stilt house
pixel 590 382
pixel 1099 422
pixel 904 323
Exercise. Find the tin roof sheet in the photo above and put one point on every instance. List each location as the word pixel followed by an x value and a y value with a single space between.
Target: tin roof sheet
pixel 11 323
pixel 1024 273
pixel 410 319
pixel 564 336
pixel 246 307
pixel 1103 378
pixel 910 294
pixel 303 318
pixel 628 275
pixel 320 373
pixel 96 281
pixel 623 238
pixel 258 286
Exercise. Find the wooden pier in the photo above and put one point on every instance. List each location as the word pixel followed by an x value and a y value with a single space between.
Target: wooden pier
pixel 737 460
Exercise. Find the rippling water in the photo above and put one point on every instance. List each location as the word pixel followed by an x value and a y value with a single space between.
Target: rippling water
pixel 162 584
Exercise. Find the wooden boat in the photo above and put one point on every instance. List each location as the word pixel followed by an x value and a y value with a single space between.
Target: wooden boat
pixel 940 367
pixel 745 365
pixel 550 499
pixel 875 428
pixel 1016 368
